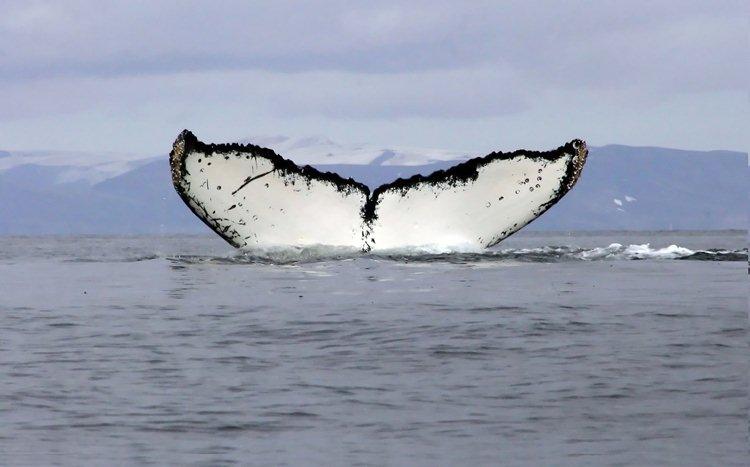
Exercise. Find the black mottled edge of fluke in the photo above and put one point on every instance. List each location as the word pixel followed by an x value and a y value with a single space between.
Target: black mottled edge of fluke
pixel 180 149
pixel 191 144
pixel 580 152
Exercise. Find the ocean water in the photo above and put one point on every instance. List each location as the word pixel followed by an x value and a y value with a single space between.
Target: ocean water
pixel 552 349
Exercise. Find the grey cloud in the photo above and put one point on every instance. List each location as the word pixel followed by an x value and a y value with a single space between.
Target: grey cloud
pixel 446 94
pixel 677 45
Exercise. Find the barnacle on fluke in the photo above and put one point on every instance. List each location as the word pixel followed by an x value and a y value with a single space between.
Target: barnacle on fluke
pixel 253 197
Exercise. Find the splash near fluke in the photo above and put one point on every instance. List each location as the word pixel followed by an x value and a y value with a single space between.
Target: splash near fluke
pixel 254 198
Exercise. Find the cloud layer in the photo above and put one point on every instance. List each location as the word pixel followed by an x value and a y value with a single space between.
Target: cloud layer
pixel 339 60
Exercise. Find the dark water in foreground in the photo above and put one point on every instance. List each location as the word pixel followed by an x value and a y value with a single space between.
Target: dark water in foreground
pixel 555 350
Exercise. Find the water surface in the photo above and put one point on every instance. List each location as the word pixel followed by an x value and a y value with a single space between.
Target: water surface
pixel 550 350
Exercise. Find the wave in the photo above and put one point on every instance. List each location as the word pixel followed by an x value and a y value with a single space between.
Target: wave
pixel 617 251
pixel 276 255
pixel 436 254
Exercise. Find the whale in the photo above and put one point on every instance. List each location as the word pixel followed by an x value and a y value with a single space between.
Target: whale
pixel 254 198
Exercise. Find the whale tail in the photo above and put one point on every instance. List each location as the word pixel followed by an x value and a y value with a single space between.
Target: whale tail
pixel 252 197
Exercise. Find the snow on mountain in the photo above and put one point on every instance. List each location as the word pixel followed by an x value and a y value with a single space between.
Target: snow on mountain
pixel 322 150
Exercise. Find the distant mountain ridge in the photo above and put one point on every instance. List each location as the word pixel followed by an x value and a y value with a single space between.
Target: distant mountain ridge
pixel 622 187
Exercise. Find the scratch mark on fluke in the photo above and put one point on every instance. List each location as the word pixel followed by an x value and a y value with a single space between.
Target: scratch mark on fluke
pixel 250 179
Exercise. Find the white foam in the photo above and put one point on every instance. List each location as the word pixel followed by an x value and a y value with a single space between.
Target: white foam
pixel 290 254
pixel 432 249
pixel 643 251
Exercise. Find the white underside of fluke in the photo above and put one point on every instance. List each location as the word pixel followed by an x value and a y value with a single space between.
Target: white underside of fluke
pixel 506 195
pixel 261 207
pixel 255 199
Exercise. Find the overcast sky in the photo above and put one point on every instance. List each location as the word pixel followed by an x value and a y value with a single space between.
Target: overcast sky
pixel 464 75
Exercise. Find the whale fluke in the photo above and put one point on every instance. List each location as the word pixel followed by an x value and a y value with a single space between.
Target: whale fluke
pixel 254 198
